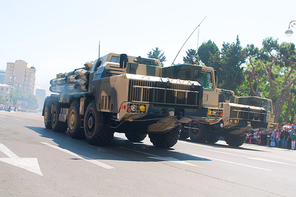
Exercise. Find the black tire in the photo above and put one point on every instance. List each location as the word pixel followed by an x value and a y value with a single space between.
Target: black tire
pixel 135 137
pixel 47 113
pixel 74 121
pixel 165 140
pixel 235 140
pixel 198 133
pixel 96 129
pixel 57 125
pixel 212 139
pixel 184 132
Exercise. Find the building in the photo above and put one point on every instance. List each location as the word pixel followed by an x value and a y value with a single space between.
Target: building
pixel 40 94
pixel 5 90
pixel 2 76
pixel 19 76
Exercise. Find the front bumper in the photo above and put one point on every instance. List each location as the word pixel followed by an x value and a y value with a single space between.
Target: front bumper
pixel 160 119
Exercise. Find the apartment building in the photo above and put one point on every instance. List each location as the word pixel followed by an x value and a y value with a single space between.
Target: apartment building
pixel 19 76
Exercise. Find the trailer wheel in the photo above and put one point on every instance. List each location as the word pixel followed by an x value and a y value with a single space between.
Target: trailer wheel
pixel 96 129
pixel 57 125
pixel 135 137
pixel 198 133
pixel 165 140
pixel 74 120
pixel 47 114
pixel 235 140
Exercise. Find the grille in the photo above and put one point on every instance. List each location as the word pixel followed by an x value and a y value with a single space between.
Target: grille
pixel 163 93
pixel 248 114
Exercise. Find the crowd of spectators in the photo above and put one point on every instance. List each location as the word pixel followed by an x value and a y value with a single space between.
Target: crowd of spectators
pixel 284 136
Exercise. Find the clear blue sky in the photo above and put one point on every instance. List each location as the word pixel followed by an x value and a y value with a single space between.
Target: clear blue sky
pixel 60 35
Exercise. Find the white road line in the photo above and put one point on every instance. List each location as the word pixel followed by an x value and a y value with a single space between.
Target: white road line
pixel 253 158
pixel 230 162
pixel 8 152
pixel 152 156
pixel 93 161
pixel 30 164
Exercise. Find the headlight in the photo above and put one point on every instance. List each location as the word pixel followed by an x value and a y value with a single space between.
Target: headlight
pixel 134 108
pixel 142 108
pixel 210 112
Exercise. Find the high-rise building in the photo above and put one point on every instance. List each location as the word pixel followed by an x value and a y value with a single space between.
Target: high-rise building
pixel 19 76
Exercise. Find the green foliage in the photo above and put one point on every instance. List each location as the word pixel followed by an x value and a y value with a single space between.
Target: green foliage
pixel 228 63
pixel 206 50
pixel 157 54
pixel 270 69
pixel 26 97
pixel 191 57
pixel 3 100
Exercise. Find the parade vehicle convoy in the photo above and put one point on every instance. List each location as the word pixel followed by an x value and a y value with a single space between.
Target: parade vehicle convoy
pixel 235 116
pixel 120 93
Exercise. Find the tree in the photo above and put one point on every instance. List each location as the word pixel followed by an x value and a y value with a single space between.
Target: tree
pixel 31 99
pixel 157 54
pixel 206 50
pixel 227 64
pixel 191 57
pixel 274 64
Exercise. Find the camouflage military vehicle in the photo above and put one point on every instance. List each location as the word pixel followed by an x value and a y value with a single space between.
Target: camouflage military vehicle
pixel 234 116
pixel 120 93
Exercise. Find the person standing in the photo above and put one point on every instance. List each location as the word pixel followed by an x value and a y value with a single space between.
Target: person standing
pixel 285 138
pixel 282 138
pixel 272 138
pixel 293 140
pixel 268 135
pixel 277 137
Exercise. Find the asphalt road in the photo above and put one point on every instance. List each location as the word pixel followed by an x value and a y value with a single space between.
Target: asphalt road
pixel 35 161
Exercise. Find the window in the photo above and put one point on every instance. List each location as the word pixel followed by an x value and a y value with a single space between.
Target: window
pixel 115 59
pixel 204 78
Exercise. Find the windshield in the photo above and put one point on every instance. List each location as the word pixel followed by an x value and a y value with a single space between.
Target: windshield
pixel 258 102
pixel 204 78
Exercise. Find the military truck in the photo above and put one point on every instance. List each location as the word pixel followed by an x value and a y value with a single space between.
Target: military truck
pixel 127 94
pixel 235 116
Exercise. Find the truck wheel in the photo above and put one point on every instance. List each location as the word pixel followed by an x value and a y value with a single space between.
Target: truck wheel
pixel 198 133
pixel 165 140
pixel 57 125
pixel 47 114
pixel 95 127
pixel 135 137
pixel 212 139
pixel 184 134
pixel 74 120
pixel 235 140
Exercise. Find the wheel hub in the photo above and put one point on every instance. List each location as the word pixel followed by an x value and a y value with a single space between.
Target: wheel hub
pixel 90 122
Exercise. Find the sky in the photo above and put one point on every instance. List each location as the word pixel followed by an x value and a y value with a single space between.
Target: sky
pixel 58 36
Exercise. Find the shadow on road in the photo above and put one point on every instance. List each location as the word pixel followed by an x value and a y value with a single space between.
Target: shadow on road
pixel 224 146
pixel 120 149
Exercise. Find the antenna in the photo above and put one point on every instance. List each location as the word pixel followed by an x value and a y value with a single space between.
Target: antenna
pixel 188 39
pixel 99 49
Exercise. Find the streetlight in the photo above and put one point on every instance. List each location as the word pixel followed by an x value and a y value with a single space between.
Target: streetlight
pixel 289 31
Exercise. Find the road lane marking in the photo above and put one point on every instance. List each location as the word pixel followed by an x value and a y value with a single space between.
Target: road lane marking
pixel 156 157
pixel 230 162
pixel 93 161
pixel 30 164
pixel 253 158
